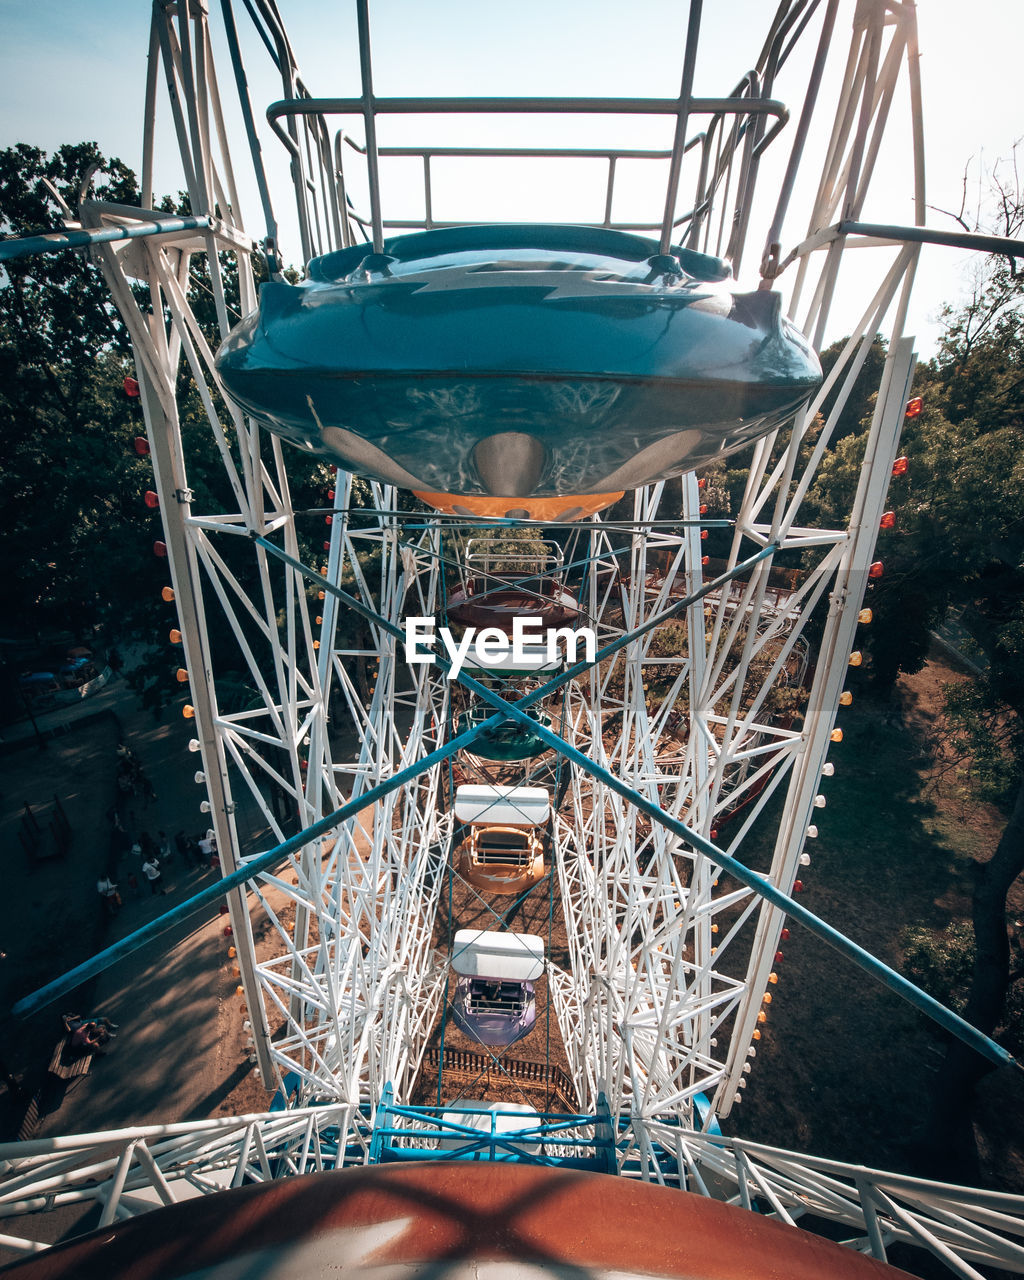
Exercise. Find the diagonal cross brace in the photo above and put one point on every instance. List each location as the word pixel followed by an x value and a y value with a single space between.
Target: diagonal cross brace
pixel 504 710
pixel 133 942
pixel 896 982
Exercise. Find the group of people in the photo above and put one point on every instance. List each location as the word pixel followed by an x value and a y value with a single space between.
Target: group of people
pixel 150 852
pixel 146 856
pixel 196 852
pixel 89 1034
pixel 131 779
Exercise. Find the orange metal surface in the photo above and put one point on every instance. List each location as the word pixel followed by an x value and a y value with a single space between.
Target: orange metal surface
pixel 488 507
pixel 457 1220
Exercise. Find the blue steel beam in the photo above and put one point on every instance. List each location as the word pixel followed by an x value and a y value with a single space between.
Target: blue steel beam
pixel 264 862
pixel 896 982
pixel 880 971
pixel 556 681
pixel 59 241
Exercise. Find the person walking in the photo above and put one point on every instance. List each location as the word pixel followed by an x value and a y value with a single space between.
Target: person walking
pixel 151 870
pixel 107 890
pixel 208 849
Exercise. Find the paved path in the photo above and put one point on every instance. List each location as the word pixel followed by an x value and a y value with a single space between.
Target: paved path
pixel 181 1038
pixel 180 1050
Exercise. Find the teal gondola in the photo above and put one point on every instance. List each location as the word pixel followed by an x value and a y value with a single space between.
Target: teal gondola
pixel 509 741
pixel 518 370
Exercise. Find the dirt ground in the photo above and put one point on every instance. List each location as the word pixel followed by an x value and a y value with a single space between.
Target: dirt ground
pixel 844 1066
pixel 180 1050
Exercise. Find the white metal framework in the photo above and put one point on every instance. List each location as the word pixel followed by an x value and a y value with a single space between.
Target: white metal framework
pixel 131 1171
pixel 658 984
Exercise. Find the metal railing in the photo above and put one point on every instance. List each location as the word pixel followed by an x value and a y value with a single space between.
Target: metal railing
pixel 735 132
pixel 133 1171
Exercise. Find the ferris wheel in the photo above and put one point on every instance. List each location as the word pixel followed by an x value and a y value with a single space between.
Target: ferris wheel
pixel 513 920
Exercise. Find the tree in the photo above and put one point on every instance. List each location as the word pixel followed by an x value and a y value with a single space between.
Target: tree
pixel 77 548
pixel 977 381
pixel 70 483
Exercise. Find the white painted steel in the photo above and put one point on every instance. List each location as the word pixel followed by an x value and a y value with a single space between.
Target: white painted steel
pixel 479 953
pixel 502 806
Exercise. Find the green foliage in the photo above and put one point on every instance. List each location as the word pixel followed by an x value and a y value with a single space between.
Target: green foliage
pixel 941 963
pixel 71 484
pixel 988 733
pixel 959 509
pixel 77 550
pixel 860 402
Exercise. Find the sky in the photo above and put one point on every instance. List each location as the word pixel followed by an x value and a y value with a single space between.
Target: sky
pixel 71 72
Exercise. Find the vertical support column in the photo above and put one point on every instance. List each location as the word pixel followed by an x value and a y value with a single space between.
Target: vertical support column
pixel 836 645
pixel 700 812
pixel 169 471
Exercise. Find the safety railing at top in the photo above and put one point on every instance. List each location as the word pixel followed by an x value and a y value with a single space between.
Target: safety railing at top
pixel 736 130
